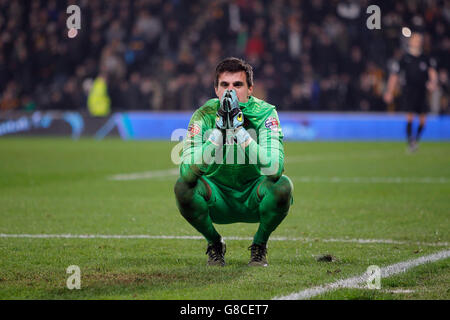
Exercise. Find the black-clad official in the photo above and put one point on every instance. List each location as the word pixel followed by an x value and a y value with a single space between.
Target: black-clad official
pixel 418 72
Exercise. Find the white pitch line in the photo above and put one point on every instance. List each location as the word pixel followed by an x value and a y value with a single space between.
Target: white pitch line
pixel 98 236
pixel 172 237
pixel 357 280
pixel 388 241
pixel 145 175
pixel 339 156
pixel 396 291
pixel 175 171
pixel 371 179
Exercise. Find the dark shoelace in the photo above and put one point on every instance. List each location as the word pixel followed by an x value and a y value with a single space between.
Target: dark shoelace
pixel 258 251
pixel 215 252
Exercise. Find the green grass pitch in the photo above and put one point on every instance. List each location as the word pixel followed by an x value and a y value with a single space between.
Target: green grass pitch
pixel 343 191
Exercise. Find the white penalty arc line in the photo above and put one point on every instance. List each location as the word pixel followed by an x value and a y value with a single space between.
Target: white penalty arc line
pixel 172 237
pixel 352 282
pixel 362 279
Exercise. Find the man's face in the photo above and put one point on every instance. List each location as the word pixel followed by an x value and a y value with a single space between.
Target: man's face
pixel 236 81
pixel 416 41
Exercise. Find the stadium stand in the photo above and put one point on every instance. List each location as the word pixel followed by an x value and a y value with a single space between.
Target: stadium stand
pixel 159 55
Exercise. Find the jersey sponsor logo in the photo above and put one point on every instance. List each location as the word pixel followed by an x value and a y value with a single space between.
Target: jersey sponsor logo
pixel 193 130
pixel 271 123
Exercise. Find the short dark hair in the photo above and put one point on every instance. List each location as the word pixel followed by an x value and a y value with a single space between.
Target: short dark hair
pixel 232 64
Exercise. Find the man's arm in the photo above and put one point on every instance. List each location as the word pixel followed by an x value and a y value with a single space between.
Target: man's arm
pixel 268 154
pixel 433 79
pixel 432 83
pixel 198 155
pixel 393 80
pixel 390 88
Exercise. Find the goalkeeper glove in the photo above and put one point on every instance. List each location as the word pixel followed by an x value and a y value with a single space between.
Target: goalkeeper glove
pixel 222 116
pixel 237 118
pixel 229 115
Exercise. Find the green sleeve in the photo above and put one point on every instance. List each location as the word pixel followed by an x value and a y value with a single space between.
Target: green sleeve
pixel 197 150
pixel 268 151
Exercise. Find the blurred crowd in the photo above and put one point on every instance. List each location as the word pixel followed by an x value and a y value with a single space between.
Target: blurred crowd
pixel 309 55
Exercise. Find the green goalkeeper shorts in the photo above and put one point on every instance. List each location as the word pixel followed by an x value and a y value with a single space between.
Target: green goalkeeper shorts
pixel 228 205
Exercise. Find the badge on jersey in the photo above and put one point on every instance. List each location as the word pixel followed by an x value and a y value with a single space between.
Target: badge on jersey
pixel 272 123
pixel 193 130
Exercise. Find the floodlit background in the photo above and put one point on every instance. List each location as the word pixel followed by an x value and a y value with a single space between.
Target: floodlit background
pixel 160 55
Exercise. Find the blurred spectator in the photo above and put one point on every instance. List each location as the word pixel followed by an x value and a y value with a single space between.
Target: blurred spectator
pixel 98 100
pixel 158 55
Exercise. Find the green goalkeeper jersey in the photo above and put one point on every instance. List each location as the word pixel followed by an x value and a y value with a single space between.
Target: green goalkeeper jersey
pixel 234 166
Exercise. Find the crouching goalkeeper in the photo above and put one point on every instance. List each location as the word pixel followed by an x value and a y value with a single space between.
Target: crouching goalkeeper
pixel 232 164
